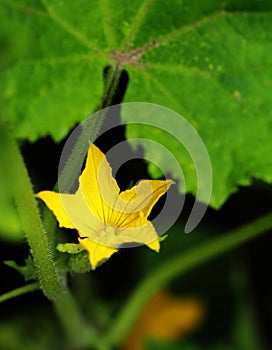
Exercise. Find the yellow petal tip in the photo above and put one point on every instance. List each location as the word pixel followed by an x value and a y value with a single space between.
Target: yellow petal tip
pixel 154 245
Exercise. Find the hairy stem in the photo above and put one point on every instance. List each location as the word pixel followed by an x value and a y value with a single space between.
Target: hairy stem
pixel 85 134
pixel 21 188
pixel 176 267
pixel 79 334
pixel 19 291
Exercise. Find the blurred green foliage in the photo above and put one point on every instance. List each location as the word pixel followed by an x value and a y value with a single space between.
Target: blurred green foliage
pixel 208 60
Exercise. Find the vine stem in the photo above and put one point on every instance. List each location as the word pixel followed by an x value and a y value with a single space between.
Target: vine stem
pixel 176 267
pixel 79 333
pixel 21 187
pixel 48 276
pixel 87 132
pixel 19 291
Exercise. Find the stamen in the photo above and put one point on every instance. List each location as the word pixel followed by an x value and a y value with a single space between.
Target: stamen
pixel 107 232
pixel 110 230
pixel 103 234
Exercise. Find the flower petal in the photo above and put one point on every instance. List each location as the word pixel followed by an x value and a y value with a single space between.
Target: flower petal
pixel 145 234
pixel 81 216
pixel 154 245
pixel 72 211
pixel 142 197
pixel 99 188
pixel 54 201
pixel 97 252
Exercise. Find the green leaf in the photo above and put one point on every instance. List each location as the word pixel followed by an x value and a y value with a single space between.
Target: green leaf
pixel 217 74
pixel 54 79
pixel 28 270
pixel 210 61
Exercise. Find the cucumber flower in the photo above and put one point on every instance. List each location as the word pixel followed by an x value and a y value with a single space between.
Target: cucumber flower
pixel 105 217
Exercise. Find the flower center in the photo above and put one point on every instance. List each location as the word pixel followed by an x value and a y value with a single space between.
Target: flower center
pixel 108 231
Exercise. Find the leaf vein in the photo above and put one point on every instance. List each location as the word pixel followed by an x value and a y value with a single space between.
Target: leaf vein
pixel 107 24
pixel 70 29
pixel 138 20
pixel 163 90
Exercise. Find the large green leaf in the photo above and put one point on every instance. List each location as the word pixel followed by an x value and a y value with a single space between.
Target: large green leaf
pixel 210 61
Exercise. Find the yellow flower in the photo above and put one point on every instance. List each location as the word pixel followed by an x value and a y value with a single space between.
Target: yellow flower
pixel 104 217
pixel 165 318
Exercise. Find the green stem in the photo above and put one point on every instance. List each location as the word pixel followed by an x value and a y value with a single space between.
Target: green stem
pixel 79 334
pixel 88 133
pixel 20 291
pixel 176 267
pixel 49 280
pixel 29 215
pixel 111 82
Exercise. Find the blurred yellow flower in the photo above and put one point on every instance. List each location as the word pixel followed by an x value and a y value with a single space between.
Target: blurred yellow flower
pixel 104 217
pixel 165 318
